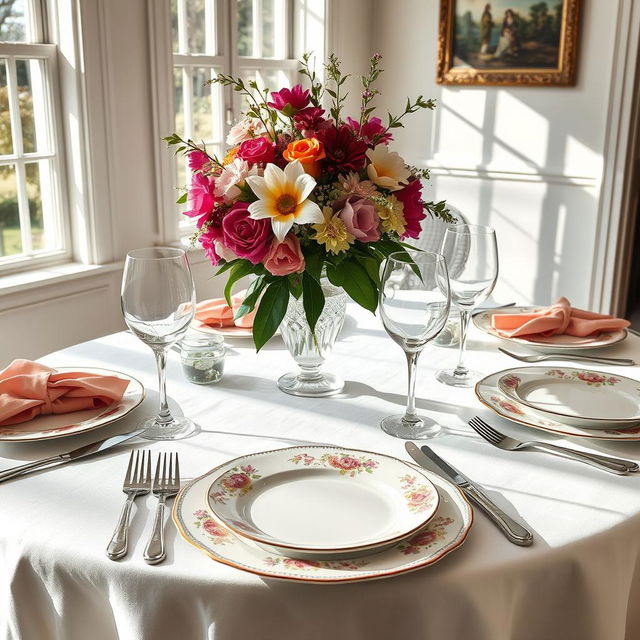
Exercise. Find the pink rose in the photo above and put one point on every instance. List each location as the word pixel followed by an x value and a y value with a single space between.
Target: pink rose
pixel 197 160
pixel 345 462
pixel 359 216
pixel 300 564
pixel 213 528
pixel 246 237
pixel 201 196
pixel 589 376
pixel 370 130
pixel 511 381
pixel 423 538
pixel 289 100
pixel 284 258
pixel 256 150
pixel 411 198
pixel 236 481
pixel 419 498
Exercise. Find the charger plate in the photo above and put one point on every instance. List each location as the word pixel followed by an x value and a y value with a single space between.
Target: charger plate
pixel 556 343
pixel 488 392
pixel 445 532
pixel 579 397
pixel 319 502
pixel 49 426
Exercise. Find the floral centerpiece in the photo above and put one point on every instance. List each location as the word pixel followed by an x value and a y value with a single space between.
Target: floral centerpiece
pixel 302 192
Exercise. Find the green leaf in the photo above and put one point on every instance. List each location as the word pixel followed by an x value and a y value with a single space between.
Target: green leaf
pixel 272 308
pixel 226 266
pixel 182 199
pixel 295 284
pixel 314 262
pixel 253 293
pixel 312 299
pixel 371 266
pixel 358 285
pixel 239 270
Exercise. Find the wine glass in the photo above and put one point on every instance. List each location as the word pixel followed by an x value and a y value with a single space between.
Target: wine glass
pixel 158 302
pixel 414 305
pixel 471 284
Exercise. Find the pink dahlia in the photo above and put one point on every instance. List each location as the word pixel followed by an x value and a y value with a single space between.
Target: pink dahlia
pixel 370 130
pixel 289 100
pixel 411 198
pixel 344 152
pixel 201 197
pixel 197 160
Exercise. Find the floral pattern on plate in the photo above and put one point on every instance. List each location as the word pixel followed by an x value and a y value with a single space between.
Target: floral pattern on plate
pixel 236 482
pixel 345 464
pixel 419 497
pixel 216 532
pixel 435 531
pixel 591 378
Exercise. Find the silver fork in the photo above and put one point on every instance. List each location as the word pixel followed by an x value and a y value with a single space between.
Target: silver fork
pixel 618 466
pixel 137 482
pixel 625 362
pixel 164 486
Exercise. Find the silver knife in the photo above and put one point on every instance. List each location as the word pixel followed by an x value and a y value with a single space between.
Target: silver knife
pixel 431 461
pixel 80 452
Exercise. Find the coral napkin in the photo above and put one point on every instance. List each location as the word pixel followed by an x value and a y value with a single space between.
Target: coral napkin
pixel 558 318
pixel 217 313
pixel 28 389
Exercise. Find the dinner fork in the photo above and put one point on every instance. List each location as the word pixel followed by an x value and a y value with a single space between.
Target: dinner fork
pixel 164 486
pixel 137 482
pixel 625 362
pixel 618 466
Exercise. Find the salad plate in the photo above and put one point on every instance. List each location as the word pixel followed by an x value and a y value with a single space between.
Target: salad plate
pixel 444 533
pixel 490 395
pixel 583 398
pixel 320 502
pixel 560 342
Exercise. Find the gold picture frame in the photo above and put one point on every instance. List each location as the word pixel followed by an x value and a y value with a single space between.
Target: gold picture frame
pixel 475 50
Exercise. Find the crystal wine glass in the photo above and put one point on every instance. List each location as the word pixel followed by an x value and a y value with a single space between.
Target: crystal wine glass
pixel 472 283
pixel 414 305
pixel 158 303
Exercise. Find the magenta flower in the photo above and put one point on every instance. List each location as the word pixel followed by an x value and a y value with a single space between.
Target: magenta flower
pixel 370 130
pixel 360 217
pixel 344 152
pixel 257 151
pixel 289 101
pixel 246 237
pixel 201 197
pixel 310 121
pixel 411 198
pixel 197 160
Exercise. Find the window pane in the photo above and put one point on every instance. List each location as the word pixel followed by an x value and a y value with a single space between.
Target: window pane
pixel 178 100
pixel 10 241
pixel 33 112
pixel 271 79
pixel 174 26
pixel 202 115
pixel 6 142
pixel 13 21
pixel 196 26
pixel 245 27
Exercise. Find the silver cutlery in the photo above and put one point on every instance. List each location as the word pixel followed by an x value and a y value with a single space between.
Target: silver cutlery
pixel 430 460
pixel 619 466
pixel 625 362
pixel 480 310
pixel 75 454
pixel 165 486
pixel 635 333
pixel 137 482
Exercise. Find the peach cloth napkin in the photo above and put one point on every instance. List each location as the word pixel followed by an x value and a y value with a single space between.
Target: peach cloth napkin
pixel 556 319
pixel 29 389
pixel 217 313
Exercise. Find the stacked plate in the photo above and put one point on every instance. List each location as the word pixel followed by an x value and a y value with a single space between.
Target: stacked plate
pixel 322 514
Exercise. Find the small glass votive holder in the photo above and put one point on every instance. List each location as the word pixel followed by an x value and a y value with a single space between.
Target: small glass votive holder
pixel 450 334
pixel 202 356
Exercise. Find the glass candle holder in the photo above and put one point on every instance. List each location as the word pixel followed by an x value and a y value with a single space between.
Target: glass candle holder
pixel 202 357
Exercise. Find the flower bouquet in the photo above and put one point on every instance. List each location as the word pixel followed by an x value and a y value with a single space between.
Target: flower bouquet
pixel 303 193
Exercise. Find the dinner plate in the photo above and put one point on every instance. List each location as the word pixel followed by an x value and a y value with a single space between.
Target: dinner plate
pixel 583 398
pixel 50 426
pixel 445 532
pixel 227 332
pixel 490 395
pixel 550 343
pixel 320 502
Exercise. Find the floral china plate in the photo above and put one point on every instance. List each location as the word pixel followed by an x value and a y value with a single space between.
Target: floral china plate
pixel 444 533
pixel 322 502
pixel 550 343
pixel 582 398
pixel 488 392
pixel 49 426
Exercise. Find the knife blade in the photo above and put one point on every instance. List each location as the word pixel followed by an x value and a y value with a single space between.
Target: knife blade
pixel 81 452
pixel 431 461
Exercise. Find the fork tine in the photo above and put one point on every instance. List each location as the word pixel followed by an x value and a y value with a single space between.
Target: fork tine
pixel 127 476
pixel 164 470
pixel 484 430
pixel 147 477
pixel 169 478
pixel 176 479
pixel 156 477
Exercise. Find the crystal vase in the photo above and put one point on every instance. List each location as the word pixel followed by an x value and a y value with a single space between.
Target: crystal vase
pixel 309 350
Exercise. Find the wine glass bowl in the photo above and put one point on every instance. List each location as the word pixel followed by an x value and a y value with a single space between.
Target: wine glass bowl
pixel 414 306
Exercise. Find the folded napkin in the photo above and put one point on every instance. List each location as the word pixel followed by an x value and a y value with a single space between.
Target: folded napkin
pixel 556 319
pixel 217 313
pixel 28 389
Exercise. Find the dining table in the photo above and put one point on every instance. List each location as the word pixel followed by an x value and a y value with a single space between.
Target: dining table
pixel 580 579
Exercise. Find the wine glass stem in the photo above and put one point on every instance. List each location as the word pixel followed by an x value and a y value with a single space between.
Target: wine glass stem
pixel 460 369
pixel 412 362
pixel 164 415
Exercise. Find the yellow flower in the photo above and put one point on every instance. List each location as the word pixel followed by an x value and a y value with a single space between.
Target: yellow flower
pixel 283 197
pixel 231 156
pixel 332 232
pixel 391 212
pixel 386 168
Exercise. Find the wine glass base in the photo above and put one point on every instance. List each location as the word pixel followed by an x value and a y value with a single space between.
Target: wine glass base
pixel 449 377
pixel 422 429
pixel 326 384
pixel 178 429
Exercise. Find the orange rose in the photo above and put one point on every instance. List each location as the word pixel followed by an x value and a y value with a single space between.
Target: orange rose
pixel 308 151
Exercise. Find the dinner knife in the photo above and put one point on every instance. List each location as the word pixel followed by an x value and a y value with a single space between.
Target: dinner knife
pixel 80 452
pixel 431 461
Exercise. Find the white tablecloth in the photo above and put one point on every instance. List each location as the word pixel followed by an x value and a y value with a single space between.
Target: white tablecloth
pixel 581 578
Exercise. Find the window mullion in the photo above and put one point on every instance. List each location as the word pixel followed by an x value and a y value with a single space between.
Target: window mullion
pixel 23 207
pixel 257 28
pixel 182 27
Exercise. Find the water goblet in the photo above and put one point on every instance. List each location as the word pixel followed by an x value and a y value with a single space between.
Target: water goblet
pixel 414 305
pixel 472 283
pixel 158 303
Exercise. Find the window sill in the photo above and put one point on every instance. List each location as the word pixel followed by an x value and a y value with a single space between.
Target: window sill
pixel 37 278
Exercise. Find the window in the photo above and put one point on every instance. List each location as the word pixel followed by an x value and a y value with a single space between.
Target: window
pixel 248 38
pixel 32 227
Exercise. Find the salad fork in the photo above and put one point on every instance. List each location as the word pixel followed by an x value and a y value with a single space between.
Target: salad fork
pixel 164 486
pixel 137 482
pixel 625 362
pixel 618 466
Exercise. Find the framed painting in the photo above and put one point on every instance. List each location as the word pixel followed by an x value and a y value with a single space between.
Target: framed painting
pixel 508 42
